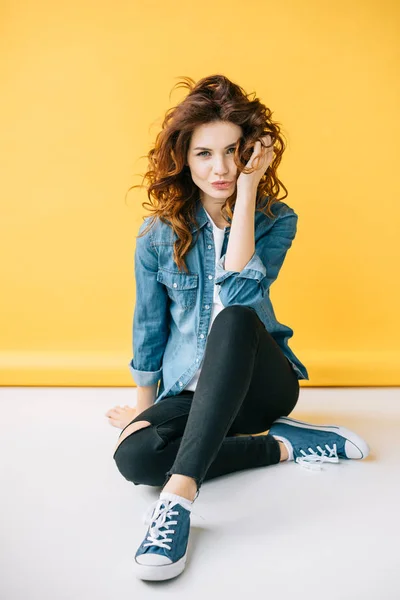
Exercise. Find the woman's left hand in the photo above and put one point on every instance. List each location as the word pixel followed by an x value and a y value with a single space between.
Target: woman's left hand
pixel 262 158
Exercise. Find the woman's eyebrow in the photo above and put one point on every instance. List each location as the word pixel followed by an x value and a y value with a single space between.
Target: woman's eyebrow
pixel 203 148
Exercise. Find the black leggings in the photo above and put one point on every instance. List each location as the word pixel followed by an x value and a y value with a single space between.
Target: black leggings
pixel 246 382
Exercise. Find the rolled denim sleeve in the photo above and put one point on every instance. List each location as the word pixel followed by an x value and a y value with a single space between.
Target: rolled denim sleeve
pixel 150 320
pixel 249 286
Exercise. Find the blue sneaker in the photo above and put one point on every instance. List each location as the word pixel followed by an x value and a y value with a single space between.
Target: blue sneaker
pixel 162 554
pixel 315 444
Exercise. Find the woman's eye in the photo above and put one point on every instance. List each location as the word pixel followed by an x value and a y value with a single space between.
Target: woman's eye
pixel 207 152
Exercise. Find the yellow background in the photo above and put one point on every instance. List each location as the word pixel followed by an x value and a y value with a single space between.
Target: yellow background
pixel 85 86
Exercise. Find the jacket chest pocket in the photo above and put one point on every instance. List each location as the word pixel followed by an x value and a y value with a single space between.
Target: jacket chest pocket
pixel 181 288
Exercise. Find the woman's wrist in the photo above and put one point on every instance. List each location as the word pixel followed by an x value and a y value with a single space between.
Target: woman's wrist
pixel 146 396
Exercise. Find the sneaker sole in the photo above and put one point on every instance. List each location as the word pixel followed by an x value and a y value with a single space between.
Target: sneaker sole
pixel 359 444
pixel 160 572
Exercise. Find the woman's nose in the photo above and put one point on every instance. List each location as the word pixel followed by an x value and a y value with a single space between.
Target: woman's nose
pixel 220 167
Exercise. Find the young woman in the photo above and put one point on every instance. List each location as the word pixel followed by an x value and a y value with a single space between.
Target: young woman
pixel 204 326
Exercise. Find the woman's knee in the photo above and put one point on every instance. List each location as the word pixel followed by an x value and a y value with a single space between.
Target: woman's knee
pixel 129 430
pixel 235 319
pixel 136 456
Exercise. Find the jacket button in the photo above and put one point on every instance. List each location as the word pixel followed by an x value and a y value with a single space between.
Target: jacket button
pixel 202 335
pixel 180 383
pixel 210 277
pixel 175 285
pixel 207 306
pixel 209 247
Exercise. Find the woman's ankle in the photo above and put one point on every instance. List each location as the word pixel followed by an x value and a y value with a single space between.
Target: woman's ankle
pixel 284 452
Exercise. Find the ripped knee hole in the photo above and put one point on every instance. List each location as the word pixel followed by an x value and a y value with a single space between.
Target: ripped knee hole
pixel 131 429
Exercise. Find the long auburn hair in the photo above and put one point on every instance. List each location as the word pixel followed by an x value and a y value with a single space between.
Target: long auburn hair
pixel 171 191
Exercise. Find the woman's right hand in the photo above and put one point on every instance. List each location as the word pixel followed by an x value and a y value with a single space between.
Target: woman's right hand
pixel 121 416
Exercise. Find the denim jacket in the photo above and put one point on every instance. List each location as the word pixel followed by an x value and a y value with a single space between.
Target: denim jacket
pixel 173 309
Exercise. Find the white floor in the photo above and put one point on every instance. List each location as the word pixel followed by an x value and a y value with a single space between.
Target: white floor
pixel 70 523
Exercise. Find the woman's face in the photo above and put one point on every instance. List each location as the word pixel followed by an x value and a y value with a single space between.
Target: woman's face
pixel 210 159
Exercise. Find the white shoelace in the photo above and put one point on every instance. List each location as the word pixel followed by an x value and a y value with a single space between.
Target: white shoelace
pixel 313 460
pixel 160 520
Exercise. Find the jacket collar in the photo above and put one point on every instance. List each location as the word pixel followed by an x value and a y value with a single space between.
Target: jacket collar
pixel 201 216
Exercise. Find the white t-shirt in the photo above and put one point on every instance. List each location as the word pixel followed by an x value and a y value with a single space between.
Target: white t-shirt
pixel 217 304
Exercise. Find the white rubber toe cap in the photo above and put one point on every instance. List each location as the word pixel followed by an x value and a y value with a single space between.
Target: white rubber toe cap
pixel 153 560
pixel 359 449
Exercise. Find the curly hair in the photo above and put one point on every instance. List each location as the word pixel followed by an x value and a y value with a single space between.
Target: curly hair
pixel 171 191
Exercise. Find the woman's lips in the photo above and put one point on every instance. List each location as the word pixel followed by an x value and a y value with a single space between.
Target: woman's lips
pixel 222 185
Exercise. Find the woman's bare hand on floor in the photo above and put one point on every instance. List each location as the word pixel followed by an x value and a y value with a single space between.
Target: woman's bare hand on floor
pixel 121 416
